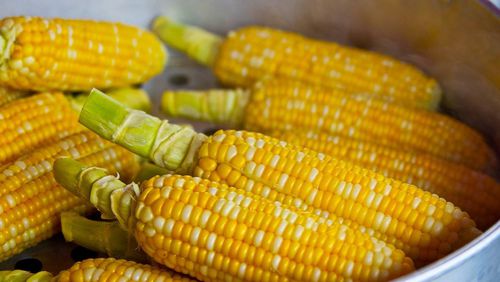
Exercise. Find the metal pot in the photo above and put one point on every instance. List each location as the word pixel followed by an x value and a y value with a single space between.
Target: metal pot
pixel 455 41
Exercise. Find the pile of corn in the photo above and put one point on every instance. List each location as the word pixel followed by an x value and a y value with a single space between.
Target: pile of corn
pixel 336 165
pixel 43 62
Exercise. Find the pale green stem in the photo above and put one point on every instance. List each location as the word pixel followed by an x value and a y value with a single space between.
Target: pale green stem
pixel 226 106
pixel 197 43
pixel 112 197
pixel 134 98
pixel 168 145
pixel 25 276
pixel 149 170
pixel 106 237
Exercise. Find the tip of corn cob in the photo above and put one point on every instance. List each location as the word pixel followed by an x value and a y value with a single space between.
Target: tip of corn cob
pixel 112 197
pixel 134 98
pixel 108 117
pixel 66 172
pixel 106 237
pixel 169 145
pixel 197 43
pixel 216 105
pixel 105 123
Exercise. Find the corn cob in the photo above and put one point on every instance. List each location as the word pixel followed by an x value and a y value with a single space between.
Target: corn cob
pixel 216 233
pixel 284 105
pixel 472 191
pixel 7 95
pixel 423 225
pixel 98 270
pixel 61 54
pixel 31 199
pixel 247 55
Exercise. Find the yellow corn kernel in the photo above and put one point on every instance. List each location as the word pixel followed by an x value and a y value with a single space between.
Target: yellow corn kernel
pixel 62 54
pixel 275 236
pixel 351 191
pixel 34 121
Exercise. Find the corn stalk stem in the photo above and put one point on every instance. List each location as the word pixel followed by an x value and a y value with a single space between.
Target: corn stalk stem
pixel 197 43
pixel 168 145
pixel 225 106
pixel 106 237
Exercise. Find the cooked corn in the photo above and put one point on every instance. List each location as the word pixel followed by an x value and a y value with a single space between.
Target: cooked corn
pixel 62 54
pixel 217 233
pixel 32 122
pixel 249 54
pixel 472 191
pixel 31 199
pixel 284 105
pixel 425 226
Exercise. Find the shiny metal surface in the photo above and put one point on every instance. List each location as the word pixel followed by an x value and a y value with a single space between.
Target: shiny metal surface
pixel 456 41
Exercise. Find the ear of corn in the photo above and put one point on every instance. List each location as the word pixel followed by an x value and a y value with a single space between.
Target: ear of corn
pixel 288 106
pixel 425 226
pixel 31 199
pixel 472 191
pixel 34 121
pixel 251 53
pixel 98 270
pixel 292 175
pixel 7 95
pixel 215 232
pixel 61 54
pixel 195 42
